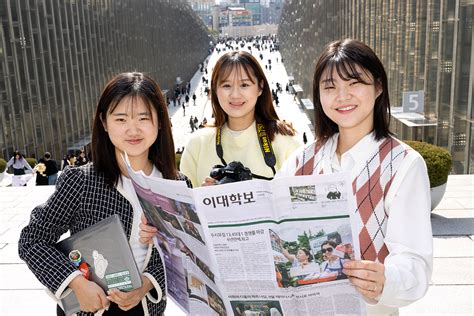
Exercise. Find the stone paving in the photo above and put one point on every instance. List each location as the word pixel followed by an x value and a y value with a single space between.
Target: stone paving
pixel 451 291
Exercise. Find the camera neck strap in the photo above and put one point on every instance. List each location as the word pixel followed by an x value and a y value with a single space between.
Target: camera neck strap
pixel 265 146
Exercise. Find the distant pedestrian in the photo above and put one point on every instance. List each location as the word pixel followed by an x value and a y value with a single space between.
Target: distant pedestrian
pixel 194 99
pixel 51 169
pixel 186 99
pixel 40 170
pixel 305 139
pixel 65 162
pixel 81 160
pixel 19 164
pixel 191 124
pixel 184 109
pixel 72 160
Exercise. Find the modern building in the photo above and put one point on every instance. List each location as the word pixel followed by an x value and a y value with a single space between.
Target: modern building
pixel 239 16
pixel 427 47
pixel 55 57
pixel 234 16
pixel 204 9
pixel 271 11
pixel 255 8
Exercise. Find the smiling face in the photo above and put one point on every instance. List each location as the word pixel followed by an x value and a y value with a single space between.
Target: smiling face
pixel 327 251
pixel 349 102
pixel 132 128
pixel 237 95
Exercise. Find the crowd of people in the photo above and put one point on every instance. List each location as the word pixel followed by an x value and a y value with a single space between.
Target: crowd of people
pixel 46 169
pixel 351 103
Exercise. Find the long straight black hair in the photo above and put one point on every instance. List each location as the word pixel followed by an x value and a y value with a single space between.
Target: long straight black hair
pixel 132 85
pixel 344 56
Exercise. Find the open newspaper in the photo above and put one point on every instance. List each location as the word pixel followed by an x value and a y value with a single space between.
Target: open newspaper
pixel 255 247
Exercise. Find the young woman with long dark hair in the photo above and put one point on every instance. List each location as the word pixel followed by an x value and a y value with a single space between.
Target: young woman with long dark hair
pixel 131 117
pixel 390 180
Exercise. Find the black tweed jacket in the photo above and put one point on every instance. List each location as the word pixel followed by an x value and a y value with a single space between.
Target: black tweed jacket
pixel 81 199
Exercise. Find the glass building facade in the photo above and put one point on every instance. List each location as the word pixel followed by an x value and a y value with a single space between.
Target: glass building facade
pixel 425 45
pixel 55 57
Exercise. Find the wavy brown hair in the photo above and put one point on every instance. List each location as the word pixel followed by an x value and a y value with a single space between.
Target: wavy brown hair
pixel 132 85
pixel 264 111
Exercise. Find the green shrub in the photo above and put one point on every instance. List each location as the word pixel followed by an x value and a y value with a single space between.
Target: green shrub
pixel 438 161
pixel 32 162
pixel 3 165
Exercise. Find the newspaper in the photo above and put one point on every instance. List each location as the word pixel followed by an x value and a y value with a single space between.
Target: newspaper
pixel 255 247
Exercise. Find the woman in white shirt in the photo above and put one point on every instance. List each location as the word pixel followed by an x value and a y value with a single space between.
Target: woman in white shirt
pixel 19 164
pixel 352 112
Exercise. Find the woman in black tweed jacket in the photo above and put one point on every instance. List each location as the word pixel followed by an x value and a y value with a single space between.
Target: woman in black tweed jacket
pixel 131 117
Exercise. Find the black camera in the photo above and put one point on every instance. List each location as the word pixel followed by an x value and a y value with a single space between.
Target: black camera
pixel 233 172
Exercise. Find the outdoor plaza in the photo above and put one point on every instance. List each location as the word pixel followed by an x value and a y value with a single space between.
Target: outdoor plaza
pixel 452 285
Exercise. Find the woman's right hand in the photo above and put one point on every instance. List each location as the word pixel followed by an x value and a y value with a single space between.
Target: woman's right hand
pixel 209 181
pixel 91 297
pixel 147 232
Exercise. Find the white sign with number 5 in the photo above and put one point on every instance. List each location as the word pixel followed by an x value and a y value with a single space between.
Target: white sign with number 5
pixel 413 101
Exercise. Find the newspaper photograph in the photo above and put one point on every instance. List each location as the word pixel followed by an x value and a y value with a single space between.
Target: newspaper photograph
pixel 255 247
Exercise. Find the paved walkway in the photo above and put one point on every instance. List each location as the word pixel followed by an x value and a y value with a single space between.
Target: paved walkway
pixel 451 291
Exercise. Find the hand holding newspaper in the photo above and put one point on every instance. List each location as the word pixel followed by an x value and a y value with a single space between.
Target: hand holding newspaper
pixel 249 247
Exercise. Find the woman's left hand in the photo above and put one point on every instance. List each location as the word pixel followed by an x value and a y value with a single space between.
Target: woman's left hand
pixel 128 300
pixel 367 276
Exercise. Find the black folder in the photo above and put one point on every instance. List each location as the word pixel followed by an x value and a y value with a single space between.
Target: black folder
pixel 105 248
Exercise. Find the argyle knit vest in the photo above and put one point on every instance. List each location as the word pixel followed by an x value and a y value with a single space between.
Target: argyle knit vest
pixel 369 186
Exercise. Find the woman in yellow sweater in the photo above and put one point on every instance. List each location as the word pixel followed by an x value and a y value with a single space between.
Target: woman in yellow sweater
pixel 246 127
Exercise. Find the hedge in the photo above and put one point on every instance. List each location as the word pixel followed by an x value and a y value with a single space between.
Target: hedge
pixel 3 165
pixel 438 161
